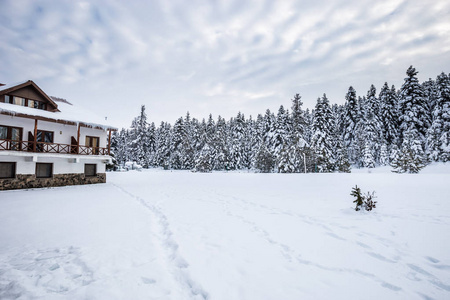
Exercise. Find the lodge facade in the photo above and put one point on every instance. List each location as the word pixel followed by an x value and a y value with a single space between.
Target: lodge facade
pixel 43 145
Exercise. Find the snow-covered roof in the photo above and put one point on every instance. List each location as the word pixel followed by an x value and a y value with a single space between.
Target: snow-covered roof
pixel 67 113
pixel 11 85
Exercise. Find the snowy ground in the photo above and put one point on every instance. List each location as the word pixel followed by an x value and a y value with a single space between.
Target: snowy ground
pixel 180 235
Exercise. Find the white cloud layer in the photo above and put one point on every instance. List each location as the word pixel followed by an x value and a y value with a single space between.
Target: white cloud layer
pixel 217 57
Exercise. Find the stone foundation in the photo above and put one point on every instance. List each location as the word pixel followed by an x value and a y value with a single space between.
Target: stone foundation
pixel 30 181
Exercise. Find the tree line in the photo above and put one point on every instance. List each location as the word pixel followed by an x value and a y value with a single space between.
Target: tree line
pixel 406 128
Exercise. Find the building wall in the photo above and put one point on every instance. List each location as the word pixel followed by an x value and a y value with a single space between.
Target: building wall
pixel 67 170
pixel 64 164
pixel 62 132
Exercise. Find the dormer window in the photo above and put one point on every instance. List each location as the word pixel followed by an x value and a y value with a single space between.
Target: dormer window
pixel 25 102
pixel 19 101
pixel 33 103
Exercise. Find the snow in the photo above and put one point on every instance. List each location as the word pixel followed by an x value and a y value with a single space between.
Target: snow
pixel 179 235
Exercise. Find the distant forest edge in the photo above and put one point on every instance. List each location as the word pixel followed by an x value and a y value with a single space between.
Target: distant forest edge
pixel 406 128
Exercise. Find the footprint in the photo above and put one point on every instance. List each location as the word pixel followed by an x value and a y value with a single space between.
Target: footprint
pixel 146 280
pixel 419 270
pixel 335 236
pixel 391 286
pixel 380 257
pixel 363 245
pixel 432 259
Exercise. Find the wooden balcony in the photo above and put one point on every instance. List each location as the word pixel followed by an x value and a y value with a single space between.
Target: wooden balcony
pixel 42 147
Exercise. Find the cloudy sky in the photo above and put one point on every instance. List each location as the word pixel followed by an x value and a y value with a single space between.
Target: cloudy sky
pixel 220 56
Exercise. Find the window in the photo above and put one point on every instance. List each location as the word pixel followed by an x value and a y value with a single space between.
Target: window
pixel 3 133
pixel 44 136
pixel 33 103
pixel 44 170
pixel 90 169
pixel 94 142
pixel 7 170
pixel 18 101
pixel 13 134
pixel 25 102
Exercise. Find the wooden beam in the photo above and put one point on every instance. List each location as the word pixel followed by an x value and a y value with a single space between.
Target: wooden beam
pixel 109 142
pixel 78 138
pixel 35 135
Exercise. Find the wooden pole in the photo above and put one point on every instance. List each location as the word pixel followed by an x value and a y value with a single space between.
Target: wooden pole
pixel 78 138
pixel 109 142
pixel 35 135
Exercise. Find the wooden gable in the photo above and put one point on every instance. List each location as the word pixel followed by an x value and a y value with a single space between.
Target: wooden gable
pixel 31 91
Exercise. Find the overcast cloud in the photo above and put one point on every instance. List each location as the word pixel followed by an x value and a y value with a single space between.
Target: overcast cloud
pixel 217 57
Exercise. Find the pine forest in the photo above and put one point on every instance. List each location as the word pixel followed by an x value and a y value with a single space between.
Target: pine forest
pixel 405 128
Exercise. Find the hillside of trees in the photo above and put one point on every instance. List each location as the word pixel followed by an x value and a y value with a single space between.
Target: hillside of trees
pixel 406 128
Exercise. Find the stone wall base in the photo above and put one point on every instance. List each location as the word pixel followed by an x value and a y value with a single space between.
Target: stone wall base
pixel 30 181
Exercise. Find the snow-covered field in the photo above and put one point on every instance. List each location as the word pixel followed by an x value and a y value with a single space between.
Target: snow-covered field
pixel 180 235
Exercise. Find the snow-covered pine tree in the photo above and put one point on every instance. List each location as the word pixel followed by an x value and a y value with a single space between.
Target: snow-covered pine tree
pixel 150 144
pixel 298 121
pixel 322 139
pixel 188 150
pixel 431 92
pixel 219 144
pixel 342 164
pixel 389 114
pixel 176 150
pixel 248 143
pixel 120 146
pixel 411 158
pixel 238 141
pixel 163 141
pixel 264 160
pixel 280 137
pixel 204 160
pixel 414 116
pixel 438 135
pixel 349 124
pixel 140 143
pixel 384 154
pixel 369 159
pixel 372 130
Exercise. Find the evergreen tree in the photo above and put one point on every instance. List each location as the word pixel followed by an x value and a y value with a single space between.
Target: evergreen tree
pixel 139 139
pixel 204 160
pixel 389 114
pixel 438 136
pixel 298 120
pixel 372 130
pixel 413 110
pixel 411 158
pixel 280 137
pixel 342 163
pixel 350 122
pixel 384 154
pixel 322 141
pixel 264 160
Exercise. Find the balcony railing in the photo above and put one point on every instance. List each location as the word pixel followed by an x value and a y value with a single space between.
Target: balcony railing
pixel 42 147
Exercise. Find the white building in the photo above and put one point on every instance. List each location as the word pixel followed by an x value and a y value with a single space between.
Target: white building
pixel 46 141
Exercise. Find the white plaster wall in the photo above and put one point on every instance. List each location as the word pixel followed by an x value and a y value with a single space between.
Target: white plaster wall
pixel 66 164
pixel 26 124
pixel 102 134
pixel 62 133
